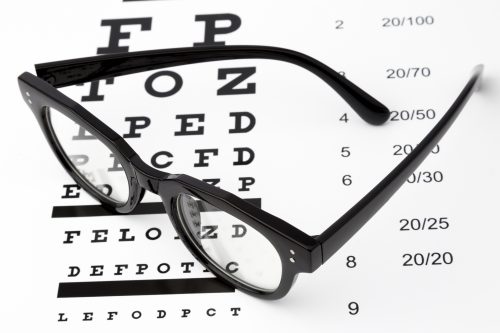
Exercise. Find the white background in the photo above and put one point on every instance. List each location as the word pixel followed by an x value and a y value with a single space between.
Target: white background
pixel 456 298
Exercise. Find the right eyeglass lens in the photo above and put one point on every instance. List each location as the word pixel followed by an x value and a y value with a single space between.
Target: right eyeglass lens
pixel 232 245
pixel 91 158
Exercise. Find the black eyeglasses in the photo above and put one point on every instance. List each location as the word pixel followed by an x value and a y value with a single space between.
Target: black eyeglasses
pixel 263 254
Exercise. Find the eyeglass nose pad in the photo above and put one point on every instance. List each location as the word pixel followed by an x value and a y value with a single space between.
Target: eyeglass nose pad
pixel 191 213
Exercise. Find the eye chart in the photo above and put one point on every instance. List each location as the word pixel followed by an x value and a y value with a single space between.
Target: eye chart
pixel 273 134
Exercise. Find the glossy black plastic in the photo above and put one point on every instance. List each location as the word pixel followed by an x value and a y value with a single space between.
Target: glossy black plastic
pixel 346 226
pixel 298 251
pixel 69 72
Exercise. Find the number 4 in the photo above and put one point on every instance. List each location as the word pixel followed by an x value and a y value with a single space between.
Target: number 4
pixel 344 118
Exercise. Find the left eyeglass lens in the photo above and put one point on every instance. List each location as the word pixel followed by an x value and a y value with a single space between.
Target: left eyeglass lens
pixel 93 161
pixel 233 246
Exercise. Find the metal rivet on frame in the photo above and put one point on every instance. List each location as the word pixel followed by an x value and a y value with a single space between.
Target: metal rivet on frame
pixel 292 259
pixel 28 94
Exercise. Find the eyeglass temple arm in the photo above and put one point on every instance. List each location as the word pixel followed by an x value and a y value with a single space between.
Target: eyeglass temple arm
pixel 333 238
pixel 69 72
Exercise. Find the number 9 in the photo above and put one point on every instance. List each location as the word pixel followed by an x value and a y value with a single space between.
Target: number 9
pixel 353 308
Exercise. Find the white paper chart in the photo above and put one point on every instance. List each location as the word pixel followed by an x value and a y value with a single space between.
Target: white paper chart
pixel 274 134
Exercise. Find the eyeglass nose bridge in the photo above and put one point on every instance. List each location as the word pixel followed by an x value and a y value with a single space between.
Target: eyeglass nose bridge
pixel 148 177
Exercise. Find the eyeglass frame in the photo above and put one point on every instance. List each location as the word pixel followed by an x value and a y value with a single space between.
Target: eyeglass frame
pixel 298 251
